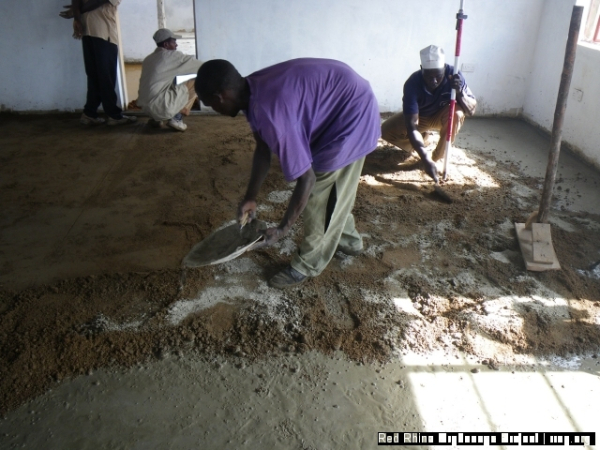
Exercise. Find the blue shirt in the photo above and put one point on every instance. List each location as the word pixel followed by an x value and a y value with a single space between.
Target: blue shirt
pixel 313 112
pixel 418 100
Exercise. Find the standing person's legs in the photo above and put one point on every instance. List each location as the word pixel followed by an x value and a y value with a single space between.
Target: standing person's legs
pixel 320 243
pixel 440 121
pixel 106 54
pixel 93 98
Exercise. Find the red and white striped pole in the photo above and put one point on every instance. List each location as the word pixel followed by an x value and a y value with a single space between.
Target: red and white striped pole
pixel 460 16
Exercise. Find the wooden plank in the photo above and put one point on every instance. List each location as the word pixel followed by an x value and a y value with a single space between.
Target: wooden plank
pixel 542 243
pixel 525 238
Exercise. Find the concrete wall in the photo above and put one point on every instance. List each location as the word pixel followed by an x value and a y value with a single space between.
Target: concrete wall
pixel 580 129
pixel 516 50
pixel 180 15
pixel 380 39
pixel 42 65
pixel 544 80
pixel 139 21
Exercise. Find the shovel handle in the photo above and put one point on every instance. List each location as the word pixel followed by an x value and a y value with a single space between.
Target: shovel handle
pixel 244 220
pixel 531 219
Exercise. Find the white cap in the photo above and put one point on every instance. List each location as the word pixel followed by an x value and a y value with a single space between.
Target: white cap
pixel 432 57
pixel 163 34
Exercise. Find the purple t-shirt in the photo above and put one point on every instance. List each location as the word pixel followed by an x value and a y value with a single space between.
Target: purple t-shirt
pixel 315 112
pixel 418 100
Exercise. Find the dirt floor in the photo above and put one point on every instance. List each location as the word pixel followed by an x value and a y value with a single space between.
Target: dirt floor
pixel 96 222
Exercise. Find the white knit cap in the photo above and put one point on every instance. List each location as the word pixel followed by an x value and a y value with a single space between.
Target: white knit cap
pixel 432 57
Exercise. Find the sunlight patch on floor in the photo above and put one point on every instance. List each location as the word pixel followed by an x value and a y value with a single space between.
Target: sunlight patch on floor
pixel 518 400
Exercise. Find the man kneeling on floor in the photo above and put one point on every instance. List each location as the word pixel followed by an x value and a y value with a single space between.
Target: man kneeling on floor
pixel 159 96
pixel 425 108
pixel 321 119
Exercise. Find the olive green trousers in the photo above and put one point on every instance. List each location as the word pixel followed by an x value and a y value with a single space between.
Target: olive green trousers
pixel 328 219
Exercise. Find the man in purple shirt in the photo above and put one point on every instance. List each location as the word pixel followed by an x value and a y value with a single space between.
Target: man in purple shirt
pixel 425 108
pixel 321 119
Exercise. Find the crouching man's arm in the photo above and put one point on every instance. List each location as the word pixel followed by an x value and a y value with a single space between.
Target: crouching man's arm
pixel 416 140
pixel 464 96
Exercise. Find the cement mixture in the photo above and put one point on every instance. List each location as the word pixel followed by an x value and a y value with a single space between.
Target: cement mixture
pixel 96 223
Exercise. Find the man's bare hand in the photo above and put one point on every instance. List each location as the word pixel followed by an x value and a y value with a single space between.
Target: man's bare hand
pixel 77 29
pixel 247 209
pixel 430 169
pixel 458 83
pixel 271 236
pixel 67 13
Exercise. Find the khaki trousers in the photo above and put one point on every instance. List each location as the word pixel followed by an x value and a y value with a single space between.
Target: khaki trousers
pixel 192 97
pixel 328 219
pixel 393 130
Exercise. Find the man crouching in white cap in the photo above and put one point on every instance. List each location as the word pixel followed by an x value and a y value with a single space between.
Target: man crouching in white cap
pixel 159 95
pixel 425 108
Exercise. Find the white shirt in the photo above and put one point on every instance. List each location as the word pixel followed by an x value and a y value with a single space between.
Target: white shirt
pixel 158 95
pixel 102 21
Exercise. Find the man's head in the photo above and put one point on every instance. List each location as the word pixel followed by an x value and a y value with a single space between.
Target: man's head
pixel 165 38
pixel 433 64
pixel 220 86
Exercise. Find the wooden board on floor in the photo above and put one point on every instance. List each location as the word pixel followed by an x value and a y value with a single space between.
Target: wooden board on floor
pixel 542 243
pixel 536 247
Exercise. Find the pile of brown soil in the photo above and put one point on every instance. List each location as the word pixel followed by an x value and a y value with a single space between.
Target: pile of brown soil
pixel 98 221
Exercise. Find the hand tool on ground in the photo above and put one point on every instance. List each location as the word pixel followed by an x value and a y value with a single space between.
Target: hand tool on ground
pixel 442 193
pixel 460 16
pixel 225 244
pixel 534 238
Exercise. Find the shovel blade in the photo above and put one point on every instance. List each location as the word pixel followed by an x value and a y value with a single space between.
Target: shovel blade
pixel 538 246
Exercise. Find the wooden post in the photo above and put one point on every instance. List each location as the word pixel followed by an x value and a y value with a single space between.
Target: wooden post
pixel 162 17
pixel 559 113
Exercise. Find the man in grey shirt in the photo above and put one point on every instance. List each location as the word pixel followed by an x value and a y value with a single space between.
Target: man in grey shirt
pixel 159 95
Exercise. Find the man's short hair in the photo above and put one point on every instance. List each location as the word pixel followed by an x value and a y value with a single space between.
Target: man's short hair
pixel 215 76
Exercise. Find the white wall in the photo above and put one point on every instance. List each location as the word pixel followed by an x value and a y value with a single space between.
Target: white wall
pixel 139 21
pixel 580 128
pixel 42 65
pixel 180 15
pixel 380 39
pixel 516 46
pixel 549 55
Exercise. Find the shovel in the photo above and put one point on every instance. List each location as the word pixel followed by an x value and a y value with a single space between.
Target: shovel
pixel 536 242
pixel 225 244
